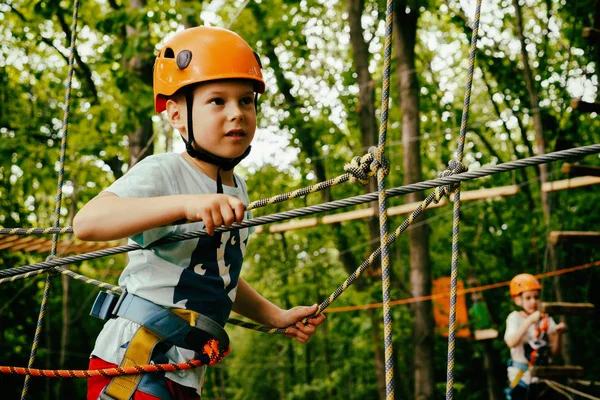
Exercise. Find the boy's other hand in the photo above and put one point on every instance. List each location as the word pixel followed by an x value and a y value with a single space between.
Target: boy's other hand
pixel 561 327
pixel 214 210
pixel 294 316
pixel 534 317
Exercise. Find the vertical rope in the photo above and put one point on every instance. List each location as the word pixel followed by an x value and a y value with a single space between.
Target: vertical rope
pixel 383 224
pixel 456 219
pixel 63 148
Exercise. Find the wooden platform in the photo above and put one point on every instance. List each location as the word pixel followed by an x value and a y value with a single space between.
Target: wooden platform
pixel 584 106
pixel 570 183
pixel 568 308
pixel 557 371
pixel 580 170
pixel 36 244
pixel 591 34
pixel 485 334
pixel 574 237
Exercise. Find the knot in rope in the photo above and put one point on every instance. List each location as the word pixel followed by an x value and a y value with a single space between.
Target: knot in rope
pixel 454 167
pixel 362 168
pixel 53 272
pixel 211 349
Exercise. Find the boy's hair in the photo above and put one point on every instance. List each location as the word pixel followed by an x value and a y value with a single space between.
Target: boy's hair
pixel 203 54
pixel 523 283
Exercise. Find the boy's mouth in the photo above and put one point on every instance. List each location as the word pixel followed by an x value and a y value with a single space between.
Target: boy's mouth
pixel 236 133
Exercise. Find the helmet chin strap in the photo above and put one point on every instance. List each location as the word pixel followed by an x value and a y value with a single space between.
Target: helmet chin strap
pixel 223 163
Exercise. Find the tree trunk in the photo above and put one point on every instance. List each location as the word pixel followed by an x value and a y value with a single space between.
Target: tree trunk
pixel 490 366
pixel 289 348
pixel 139 146
pixel 405 29
pixel 140 140
pixel 540 142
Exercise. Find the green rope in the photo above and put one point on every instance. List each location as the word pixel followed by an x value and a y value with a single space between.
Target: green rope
pixel 61 173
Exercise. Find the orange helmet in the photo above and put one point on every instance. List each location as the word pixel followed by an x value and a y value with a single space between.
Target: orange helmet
pixel 523 283
pixel 203 54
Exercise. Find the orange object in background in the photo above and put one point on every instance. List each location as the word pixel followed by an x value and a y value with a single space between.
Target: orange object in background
pixel 441 308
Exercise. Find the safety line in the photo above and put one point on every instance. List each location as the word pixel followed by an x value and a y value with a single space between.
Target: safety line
pixel 393 192
pixel 365 198
pixel 557 389
pixel 570 389
pixel 105 372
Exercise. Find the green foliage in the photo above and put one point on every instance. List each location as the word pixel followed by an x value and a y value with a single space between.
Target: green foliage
pixel 312 100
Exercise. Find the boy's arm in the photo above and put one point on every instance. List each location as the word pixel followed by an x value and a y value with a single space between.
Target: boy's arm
pixel 555 338
pixel 514 338
pixel 110 217
pixel 251 304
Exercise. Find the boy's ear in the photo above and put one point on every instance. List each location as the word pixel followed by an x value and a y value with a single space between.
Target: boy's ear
pixel 518 301
pixel 176 114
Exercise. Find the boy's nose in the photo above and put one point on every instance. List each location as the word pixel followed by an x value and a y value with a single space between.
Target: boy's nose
pixel 235 112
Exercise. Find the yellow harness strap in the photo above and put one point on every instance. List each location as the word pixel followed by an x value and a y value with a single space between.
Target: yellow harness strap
pixel 139 352
pixel 515 381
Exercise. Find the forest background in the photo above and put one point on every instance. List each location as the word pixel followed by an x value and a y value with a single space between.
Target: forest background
pixel 323 68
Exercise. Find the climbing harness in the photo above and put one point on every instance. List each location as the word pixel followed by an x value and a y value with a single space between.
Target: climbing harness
pixel 160 329
pixel 536 356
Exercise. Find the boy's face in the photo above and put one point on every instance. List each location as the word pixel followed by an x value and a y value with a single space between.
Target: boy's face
pixel 224 117
pixel 529 301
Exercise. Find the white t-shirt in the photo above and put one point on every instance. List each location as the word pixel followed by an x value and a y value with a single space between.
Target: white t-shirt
pixel 518 353
pixel 197 274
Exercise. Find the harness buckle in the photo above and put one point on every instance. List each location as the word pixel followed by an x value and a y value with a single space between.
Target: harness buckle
pixel 106 305
pixel 104 396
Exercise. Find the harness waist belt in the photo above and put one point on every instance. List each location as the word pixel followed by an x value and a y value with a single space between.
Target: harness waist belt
pixel 519 365
pixel 168 324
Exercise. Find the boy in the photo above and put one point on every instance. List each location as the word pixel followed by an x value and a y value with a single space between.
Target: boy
pixel 532 337
pixel 207 79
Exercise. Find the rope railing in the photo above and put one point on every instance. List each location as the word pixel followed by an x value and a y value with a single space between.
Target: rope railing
pixel 396 191
pixel 333 205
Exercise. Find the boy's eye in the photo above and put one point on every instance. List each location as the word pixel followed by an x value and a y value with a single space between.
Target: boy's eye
pixel 217 101
pixel 247 100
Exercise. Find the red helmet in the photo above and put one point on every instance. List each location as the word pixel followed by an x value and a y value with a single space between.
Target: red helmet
pixel 203 54
pixel 523 283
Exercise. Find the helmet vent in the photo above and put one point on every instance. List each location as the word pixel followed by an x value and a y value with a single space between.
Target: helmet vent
pixel 183 59
pixel 169 53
